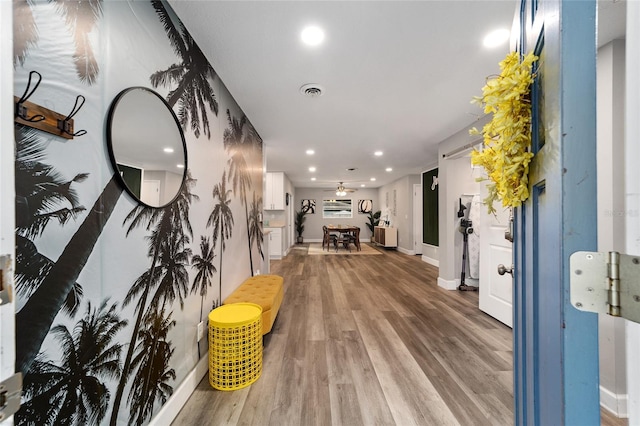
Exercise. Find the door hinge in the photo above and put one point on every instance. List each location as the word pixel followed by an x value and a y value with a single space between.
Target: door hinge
pixel 6 280
pixel 606 283
pixel 10 395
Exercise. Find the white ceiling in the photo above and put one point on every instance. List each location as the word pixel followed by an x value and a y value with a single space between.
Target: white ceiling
pixel 398 76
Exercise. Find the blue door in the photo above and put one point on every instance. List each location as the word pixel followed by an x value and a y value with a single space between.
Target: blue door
pixel 556 346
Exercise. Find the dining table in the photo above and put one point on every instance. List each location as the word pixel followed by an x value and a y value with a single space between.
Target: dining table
pixel 343 230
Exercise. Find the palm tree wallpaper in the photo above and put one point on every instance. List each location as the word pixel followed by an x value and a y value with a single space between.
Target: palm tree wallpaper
pixel 110 291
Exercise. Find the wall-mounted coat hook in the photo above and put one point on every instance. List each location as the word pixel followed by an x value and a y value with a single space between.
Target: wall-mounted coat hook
pixel 22 110
pixel 66 125
pixel 33 115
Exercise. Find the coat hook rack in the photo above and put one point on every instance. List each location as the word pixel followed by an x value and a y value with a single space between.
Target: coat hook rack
pixel 66 125
pixel 38 117
pixel 22 110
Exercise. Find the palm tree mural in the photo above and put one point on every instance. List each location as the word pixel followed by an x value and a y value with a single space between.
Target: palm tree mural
pixel 25 30
pixel 203 263
pixel 191 76
pixel 236 144
pixel 221 219
pixel 171 231
pixel 168 275
pixel 255 228
pixel 43 196
pixel 80 17
pixel 74 392
pixel 36 317
pixel 151 362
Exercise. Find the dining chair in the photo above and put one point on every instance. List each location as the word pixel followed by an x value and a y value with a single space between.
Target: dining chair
pixel 344 239
pixel 353 237
pixel 328 238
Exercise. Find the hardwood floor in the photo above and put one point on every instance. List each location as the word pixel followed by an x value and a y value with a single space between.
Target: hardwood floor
pixel 371 340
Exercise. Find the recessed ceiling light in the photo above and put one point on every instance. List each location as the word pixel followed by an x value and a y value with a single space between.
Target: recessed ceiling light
pixel 310 152
pixel 180 166
pixel 362 185
pixel 388 169
pixel 313 178
pixel 377 153
pixel 496 38
pixel 312 35
pixel 168 150
pixel 312 169
pixel 372 179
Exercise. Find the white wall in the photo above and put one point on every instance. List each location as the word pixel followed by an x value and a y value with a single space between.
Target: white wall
pixel 455 177
pixel 400 211
pixel 611 232
pixel 314 222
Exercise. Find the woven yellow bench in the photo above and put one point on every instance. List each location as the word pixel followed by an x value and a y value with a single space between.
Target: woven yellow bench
pixel 264 290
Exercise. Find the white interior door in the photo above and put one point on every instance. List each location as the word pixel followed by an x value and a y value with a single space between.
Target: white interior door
pixel 150 192
pixel 496 291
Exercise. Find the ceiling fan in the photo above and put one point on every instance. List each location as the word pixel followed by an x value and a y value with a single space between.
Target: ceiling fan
pixel 341 191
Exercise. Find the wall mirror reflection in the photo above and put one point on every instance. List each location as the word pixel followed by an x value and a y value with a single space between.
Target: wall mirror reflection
pixel 146 146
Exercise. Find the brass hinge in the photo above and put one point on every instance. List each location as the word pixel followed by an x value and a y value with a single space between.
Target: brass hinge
pixel 10 395
pixel 606 283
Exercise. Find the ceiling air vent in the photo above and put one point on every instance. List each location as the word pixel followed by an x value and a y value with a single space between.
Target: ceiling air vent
pixel 311 90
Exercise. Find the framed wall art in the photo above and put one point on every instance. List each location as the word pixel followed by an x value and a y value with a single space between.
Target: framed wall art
pixel 365 206
pixel 308 206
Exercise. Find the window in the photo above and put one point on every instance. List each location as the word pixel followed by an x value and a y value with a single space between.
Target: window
pixel 336 209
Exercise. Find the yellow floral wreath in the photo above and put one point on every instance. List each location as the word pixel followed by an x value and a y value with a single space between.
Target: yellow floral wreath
pixel 507 137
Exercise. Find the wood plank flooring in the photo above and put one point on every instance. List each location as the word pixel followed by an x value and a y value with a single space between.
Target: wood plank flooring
pixel 371 340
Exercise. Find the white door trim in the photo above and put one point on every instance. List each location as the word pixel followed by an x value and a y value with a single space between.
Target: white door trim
pixel 417 218
pixel 632 184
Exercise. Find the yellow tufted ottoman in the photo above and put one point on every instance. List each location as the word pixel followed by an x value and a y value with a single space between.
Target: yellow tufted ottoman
pixel 264 290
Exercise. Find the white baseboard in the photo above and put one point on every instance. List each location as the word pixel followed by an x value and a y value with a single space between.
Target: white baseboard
pixel 448 284
pixel 430 261
pixel 170 410
pixel 405 251
pixel 614 403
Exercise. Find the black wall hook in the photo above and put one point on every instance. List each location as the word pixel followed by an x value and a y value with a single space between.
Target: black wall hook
pixel 66 124
pixel 38 117
pixel 21 109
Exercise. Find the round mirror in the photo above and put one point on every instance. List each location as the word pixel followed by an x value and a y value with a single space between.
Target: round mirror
pixel 146 146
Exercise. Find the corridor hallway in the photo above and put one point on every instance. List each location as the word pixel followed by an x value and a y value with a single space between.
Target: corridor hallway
pixel 371 339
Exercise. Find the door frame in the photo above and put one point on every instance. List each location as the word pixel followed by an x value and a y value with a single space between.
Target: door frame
pixel 7 185
pixel 417 218
pixel 632 189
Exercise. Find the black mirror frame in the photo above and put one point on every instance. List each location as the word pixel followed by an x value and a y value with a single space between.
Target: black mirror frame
pixel 114 163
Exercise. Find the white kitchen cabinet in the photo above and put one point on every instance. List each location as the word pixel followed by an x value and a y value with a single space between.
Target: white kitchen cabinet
pixel 274 195
pixel 275 243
